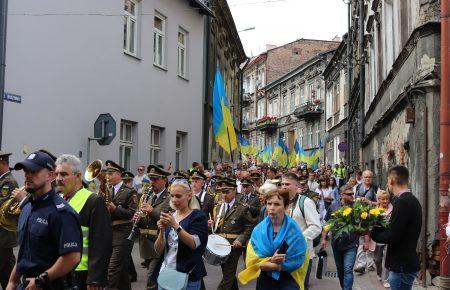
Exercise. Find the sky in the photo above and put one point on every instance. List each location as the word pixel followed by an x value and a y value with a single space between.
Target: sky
pixel 279 22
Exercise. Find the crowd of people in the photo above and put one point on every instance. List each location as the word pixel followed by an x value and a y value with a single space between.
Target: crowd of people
pixel 272 217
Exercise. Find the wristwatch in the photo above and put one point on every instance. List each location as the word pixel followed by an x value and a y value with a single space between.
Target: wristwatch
pixel 179 229
pixel 42 280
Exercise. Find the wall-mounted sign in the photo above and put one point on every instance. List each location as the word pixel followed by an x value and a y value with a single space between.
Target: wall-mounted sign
pixel 12 98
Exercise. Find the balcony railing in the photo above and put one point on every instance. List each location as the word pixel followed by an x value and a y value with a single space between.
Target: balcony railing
pixel 309 110
pixel 267 123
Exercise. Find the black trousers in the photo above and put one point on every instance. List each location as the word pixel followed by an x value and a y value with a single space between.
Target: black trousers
pixel 80 279
pixel 229 280
pixel 7 262
pixel 118 272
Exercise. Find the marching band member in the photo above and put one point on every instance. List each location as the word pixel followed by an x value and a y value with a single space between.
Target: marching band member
pixel 233 222
pixel 198 188
pixel 92 271
pixel 122 207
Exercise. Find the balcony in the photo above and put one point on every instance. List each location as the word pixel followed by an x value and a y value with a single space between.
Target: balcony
pixel 309 110
pixel 267 123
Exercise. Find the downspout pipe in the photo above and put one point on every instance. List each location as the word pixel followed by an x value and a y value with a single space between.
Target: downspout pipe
pixel 444 163
pixel 3 22
pixel 206 99
pixel 362 79
pixel 349 82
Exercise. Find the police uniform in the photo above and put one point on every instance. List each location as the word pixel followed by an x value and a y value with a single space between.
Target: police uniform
pixel 124 198
pixel 97 237
pixel 233 224
pixel 205 199
pixel 160 201
pixel 48 228
pixel 8 240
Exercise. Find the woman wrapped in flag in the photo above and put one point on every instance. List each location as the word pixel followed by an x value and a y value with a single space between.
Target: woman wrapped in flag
pixel 277 252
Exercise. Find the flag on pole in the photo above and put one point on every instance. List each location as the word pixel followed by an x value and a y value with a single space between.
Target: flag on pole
pixel 222 122
pixel 244 144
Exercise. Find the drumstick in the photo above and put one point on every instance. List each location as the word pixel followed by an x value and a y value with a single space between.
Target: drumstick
pixel 225 245
pixel 212 226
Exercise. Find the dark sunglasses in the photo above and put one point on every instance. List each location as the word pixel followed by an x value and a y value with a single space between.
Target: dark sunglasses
pixel 348 193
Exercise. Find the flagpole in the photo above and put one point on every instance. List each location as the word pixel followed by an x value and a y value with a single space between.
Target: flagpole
pixel 229 143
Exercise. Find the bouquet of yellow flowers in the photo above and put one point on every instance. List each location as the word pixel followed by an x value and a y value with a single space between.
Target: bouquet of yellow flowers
pixel 360 219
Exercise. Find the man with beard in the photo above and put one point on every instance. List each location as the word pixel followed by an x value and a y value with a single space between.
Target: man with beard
pixel 95 222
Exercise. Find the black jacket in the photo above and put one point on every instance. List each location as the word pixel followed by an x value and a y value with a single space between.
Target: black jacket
pixel 95 215
pixel 402 235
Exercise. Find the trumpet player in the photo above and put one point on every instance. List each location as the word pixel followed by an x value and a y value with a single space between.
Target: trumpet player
pixel 8 239
pixel 92 271
pixel 121 203
pixel 151 206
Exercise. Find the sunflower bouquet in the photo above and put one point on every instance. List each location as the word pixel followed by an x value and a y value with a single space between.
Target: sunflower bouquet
pixel 360 219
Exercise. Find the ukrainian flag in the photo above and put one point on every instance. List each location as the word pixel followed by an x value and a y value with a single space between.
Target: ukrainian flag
pixel 263 245
pixel 310 158
pixel 244 144
pixel 293 157
pixel 222 121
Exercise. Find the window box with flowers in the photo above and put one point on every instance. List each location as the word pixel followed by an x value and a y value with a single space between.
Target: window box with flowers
pixel 267 123
pixel 311 109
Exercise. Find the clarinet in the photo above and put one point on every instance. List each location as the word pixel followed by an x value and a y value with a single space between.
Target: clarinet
pixel 135 229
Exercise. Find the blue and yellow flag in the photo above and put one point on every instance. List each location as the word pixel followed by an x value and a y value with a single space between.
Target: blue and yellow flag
pixel 293 156
pixel 263 245
pixel 222 121
pixel 310 158
pixel 266 154
pixel 244 144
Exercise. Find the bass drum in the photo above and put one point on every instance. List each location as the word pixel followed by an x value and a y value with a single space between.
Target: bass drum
pixel 217 250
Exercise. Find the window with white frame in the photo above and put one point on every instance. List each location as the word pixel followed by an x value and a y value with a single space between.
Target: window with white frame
pixel 312 92
pixel 292 100
pixel 179 151
pixel 182 52
pixel 302 95
pixel 260 108
pixel 155 145
pixel 317 135
pixel 302 138
pixel 310 136
pixel 130 27
pixel 159 39
pixel 285 105
pixel 126 144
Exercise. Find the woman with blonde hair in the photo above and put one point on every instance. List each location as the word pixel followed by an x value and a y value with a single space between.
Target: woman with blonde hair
pixel 383 199
pixel 182 238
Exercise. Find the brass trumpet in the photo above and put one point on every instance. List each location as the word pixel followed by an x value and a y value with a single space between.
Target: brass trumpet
pixel 94 171
pixel 9 213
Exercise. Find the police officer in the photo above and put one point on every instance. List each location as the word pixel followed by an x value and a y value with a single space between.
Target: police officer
pixel 122 208
pixel 8 239
pixel 49 232
pixel 232 221
pixel 157 201
pixel 205 199
pixel 92 272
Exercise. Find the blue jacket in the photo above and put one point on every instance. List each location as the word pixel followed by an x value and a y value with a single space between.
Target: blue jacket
pixel 188 259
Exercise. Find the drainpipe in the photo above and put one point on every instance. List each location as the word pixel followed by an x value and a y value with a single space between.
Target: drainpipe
pixel 349 82
pixel 362 79
pixel 444 163
pixel 3 22
pixel 206 98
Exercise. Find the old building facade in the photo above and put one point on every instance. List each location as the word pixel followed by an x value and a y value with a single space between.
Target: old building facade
pixel 269 70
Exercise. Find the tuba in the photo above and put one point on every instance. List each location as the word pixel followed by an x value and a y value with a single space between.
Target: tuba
pixel 94 171
pixel 9 213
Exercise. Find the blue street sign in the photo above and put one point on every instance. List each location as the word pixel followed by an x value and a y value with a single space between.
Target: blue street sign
pixel 12 98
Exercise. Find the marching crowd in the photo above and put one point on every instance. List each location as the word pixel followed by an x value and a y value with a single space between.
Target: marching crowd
pixel 72 238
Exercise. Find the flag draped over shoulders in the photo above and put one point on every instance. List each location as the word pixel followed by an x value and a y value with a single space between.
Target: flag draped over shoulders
pixel 262 246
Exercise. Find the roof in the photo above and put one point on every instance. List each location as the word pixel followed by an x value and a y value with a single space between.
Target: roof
pixel 203 8
pixel 299 69
pixel 341 48
pixel 256 60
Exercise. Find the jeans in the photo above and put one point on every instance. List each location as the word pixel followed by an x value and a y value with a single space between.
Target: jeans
pixel 401 281
pixel 192 285
pixel 345 260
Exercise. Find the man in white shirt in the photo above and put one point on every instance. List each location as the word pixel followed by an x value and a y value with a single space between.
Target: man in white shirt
pixel 307 218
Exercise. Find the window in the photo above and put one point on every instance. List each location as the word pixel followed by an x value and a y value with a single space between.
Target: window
pixel 179 151
pixel 126 144
pixel 285 105
pixel 312 92
pixel 130 27
pixel 260 108
pixel 317 135
pixel 302 95
pixel 310 136
pixel 302 138
pixel 292 105
pixel 182 53
pixel 155 145
pixel 159 39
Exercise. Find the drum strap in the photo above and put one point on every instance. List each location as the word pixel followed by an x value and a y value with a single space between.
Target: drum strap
pixel 218 217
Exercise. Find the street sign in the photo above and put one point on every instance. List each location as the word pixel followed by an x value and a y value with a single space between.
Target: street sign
pixel 12 98
pixel 342 146
pixel 105 129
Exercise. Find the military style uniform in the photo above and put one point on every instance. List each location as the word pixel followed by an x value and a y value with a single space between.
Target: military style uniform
pixel 8 240
pixel 124 198
pixel 250 200
pixel 205 199
pixel 160 201
pixel 234 222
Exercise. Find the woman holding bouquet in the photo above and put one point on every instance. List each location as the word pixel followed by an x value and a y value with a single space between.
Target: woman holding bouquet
pixel 277 253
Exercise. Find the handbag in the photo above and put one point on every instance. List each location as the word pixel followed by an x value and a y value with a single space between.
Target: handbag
pixel 321 263
pixel 171 279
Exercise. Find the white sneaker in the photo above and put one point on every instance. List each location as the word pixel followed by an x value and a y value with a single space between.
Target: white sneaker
pixel 386 285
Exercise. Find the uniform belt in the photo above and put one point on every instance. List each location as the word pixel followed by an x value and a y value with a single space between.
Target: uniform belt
pixel 149 232
pixel 229 236
pixel 120 222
